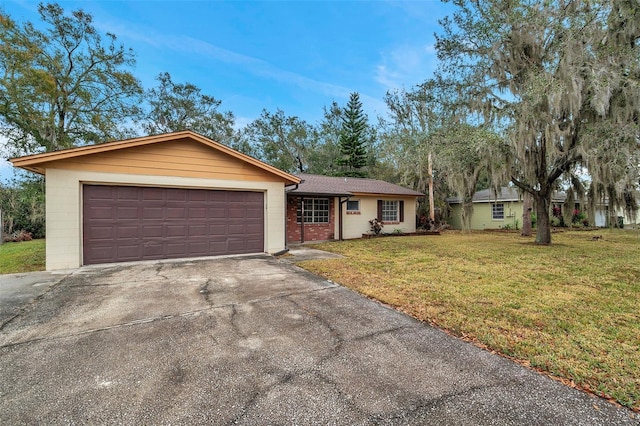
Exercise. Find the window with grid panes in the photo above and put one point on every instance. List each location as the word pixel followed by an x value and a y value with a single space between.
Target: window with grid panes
pixel 390 211
pixel 497 211
pixel 316 210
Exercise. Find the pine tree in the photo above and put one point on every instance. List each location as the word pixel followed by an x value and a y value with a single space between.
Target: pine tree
pixel 353 152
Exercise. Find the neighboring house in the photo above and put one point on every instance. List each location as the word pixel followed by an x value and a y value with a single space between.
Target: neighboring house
pixel 493 212
pixel 183 195
pixel 506 210
pixel 156 197
pixel 326 208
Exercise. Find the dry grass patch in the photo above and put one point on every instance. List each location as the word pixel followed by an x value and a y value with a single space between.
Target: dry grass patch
pixel 571 309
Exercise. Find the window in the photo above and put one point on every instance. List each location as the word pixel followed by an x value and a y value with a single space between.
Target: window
pixel 389 211
pixel 316 210
pixel 497 211
pixel 353 206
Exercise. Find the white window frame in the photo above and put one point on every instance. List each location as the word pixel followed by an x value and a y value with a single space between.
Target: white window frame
pixel 390 207
pixel 497 211
pixel 356 210
pixel 316 210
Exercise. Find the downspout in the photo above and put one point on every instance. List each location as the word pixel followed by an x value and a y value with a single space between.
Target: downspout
pixel 340 203
pixel 301 219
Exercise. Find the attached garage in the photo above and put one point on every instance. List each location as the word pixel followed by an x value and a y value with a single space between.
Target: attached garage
pixel 126 223
pixel 159 197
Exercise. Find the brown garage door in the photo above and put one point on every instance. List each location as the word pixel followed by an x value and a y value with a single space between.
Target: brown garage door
pixel 126 223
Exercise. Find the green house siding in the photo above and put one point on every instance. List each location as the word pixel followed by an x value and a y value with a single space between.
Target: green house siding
pixel 482 217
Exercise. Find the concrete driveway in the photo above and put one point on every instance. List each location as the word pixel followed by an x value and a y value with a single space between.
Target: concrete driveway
pixel 255 340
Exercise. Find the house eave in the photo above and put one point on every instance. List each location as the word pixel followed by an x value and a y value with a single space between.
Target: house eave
pixel 318 194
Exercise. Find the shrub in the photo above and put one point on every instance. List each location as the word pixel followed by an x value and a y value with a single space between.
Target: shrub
pixel 16 237
pixel 376 225
pixel 22 204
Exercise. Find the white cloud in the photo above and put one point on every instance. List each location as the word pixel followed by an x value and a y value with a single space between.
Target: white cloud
pixel 406 65
pixel 205 49
pixel 252 65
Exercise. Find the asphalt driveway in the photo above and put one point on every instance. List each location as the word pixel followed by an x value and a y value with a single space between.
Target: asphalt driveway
pixel 255 340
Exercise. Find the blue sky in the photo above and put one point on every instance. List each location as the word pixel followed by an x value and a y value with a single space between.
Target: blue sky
pixel 298 56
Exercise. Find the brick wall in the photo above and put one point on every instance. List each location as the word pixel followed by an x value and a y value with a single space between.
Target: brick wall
pixel 312 231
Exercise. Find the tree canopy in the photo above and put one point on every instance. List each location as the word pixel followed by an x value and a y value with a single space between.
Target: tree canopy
pixel 175 106
pixel 64 86
pixel 561 81
pixel 280 140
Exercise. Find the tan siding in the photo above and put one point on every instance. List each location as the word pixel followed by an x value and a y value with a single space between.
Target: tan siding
pixel 179 158
pixel 64 219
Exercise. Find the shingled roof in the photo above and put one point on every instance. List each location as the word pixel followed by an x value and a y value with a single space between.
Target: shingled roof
pixel 317 185
pixel 505 194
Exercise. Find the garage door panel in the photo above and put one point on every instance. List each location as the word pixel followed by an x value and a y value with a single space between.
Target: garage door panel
pixel 219 212
pixel 177 195
pixel 124 193
pixel 197 212
pixel 128 251
pixel 126 213
pixel 152 213
pixel 237 196
pixel 198 248
pixel 254 197
pixel 151 231
pixel 136 223
pixel 199 230
pixel 197 196
pixel 254 213
pixel 102 254
pixel 236 212
pixel 219 196
pixel 176 231
pixel 176 213
pixel 152 250
pixel 128 232
pixel 153 194
pixel 100 212
pixel 218 230
pixel 177 249
pixel 255 229
pixel 101 232
pixel 103 193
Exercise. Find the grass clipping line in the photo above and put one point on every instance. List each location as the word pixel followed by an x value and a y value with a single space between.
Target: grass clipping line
pixel 569 310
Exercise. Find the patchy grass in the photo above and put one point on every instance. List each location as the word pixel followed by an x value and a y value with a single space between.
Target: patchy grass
pixel 571 309
pixel 25 256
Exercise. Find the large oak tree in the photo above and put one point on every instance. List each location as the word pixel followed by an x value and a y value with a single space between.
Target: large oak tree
pixel 281 140
pixel 65 85
pixel 562 80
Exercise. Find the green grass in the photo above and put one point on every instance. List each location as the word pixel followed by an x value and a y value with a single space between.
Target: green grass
pixel 571 310
pixel 26 256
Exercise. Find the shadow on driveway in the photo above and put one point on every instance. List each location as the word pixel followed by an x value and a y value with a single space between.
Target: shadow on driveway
pixel 255 340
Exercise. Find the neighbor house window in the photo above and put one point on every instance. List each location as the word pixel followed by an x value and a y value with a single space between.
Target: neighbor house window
pixel 316 210
pixel 353 206
pixel 497 211
pixel 390 211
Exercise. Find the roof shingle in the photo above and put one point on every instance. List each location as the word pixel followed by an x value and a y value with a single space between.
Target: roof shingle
pixel 345 186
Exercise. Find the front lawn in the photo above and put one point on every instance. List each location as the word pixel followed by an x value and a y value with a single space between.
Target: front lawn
pixel 25 256
pixel 571 309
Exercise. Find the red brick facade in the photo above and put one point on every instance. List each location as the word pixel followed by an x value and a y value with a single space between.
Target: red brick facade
pixel 312 231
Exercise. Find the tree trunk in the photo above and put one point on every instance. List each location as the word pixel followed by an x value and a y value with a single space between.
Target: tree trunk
pixel 543 203
pixel 526 214
pixel 432 214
